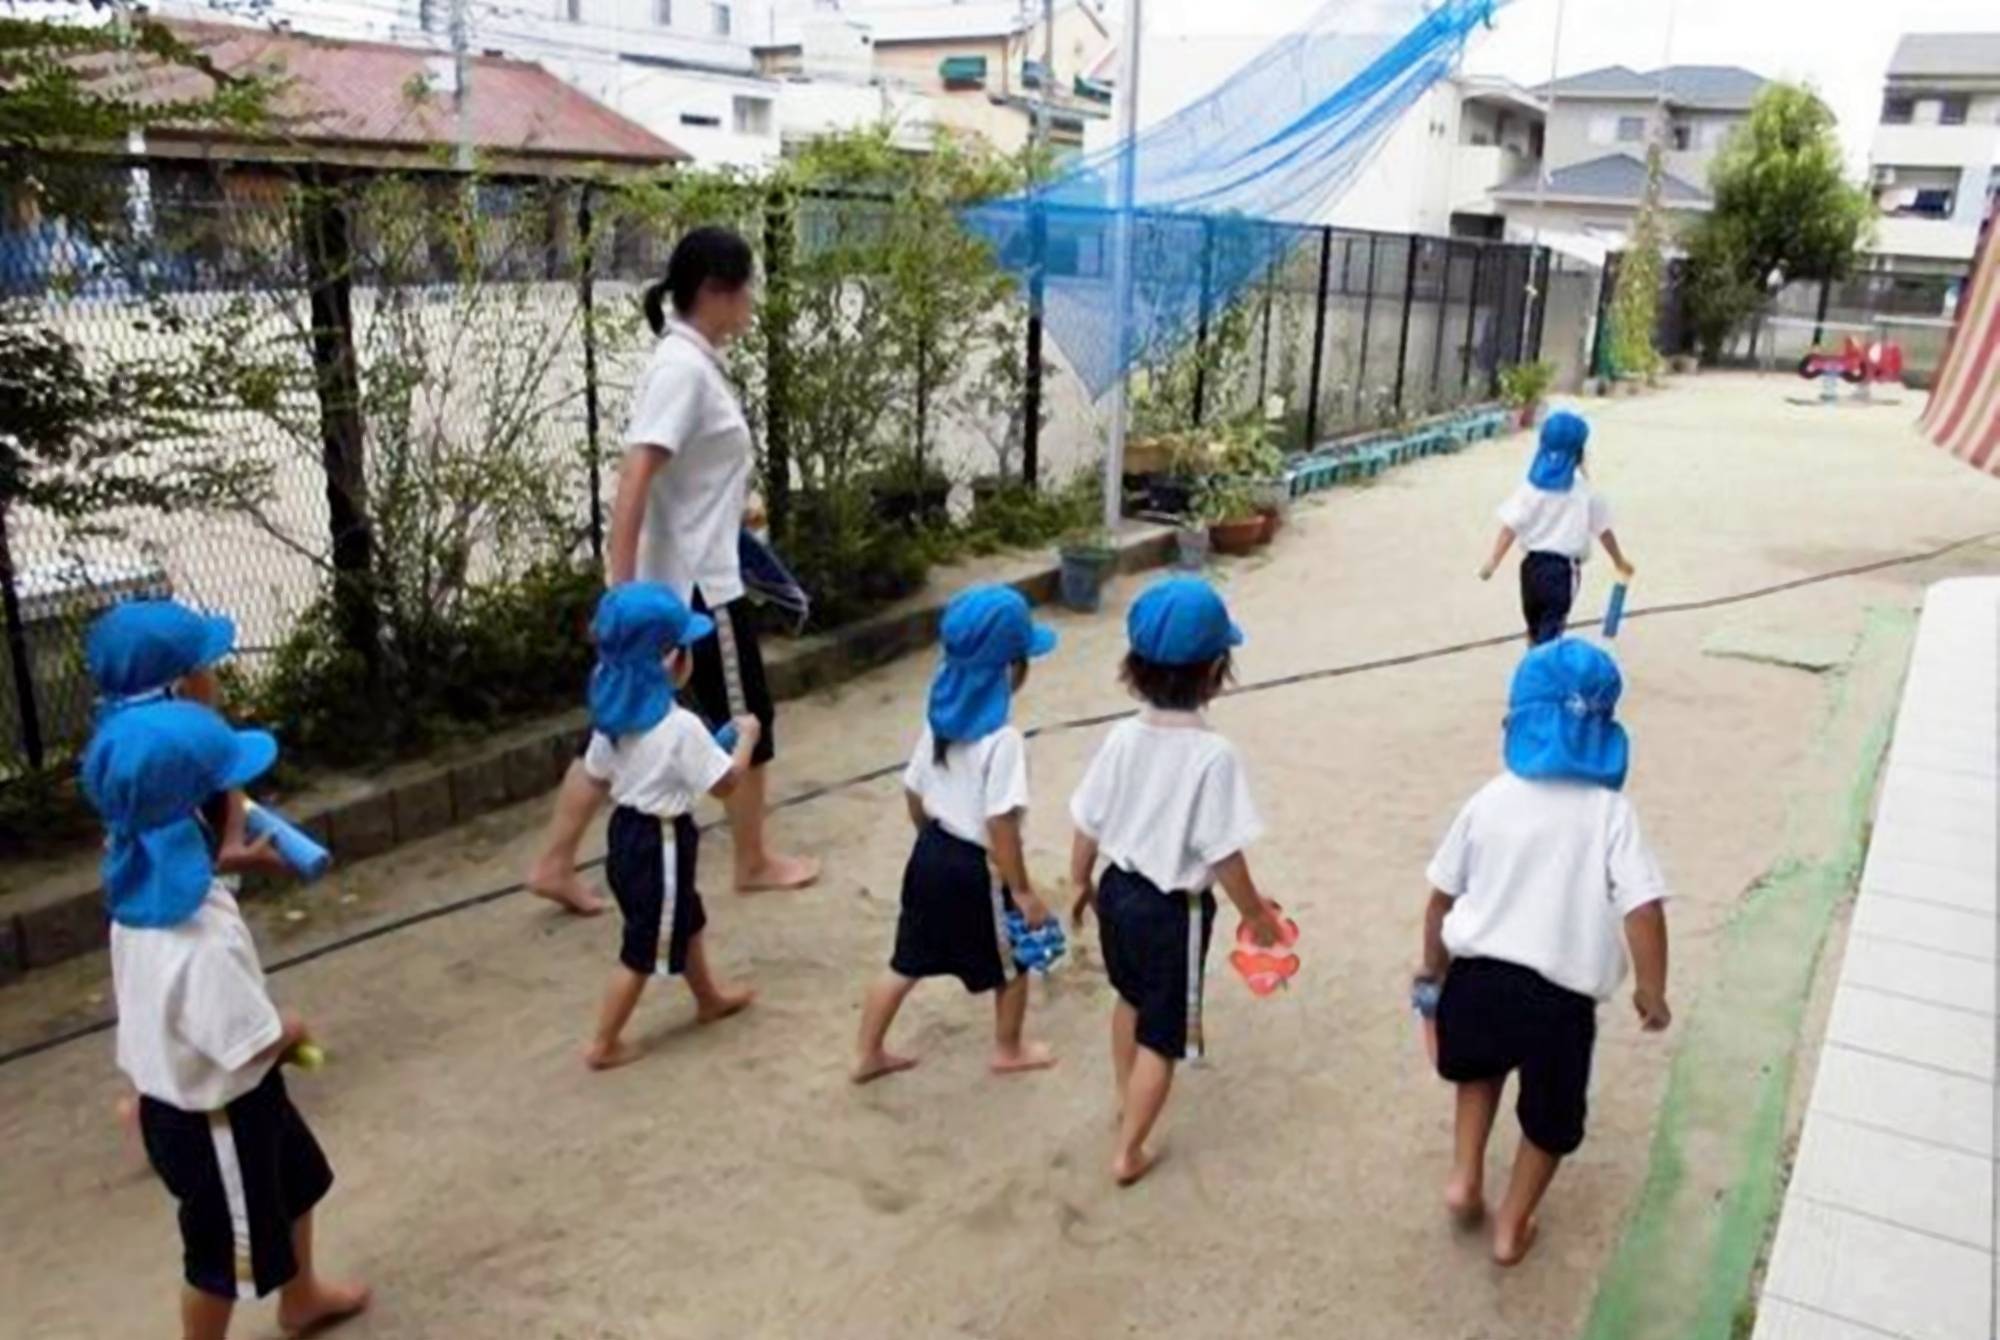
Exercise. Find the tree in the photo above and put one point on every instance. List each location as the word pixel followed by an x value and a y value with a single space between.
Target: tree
pixel 1635 307
pixel 1783 205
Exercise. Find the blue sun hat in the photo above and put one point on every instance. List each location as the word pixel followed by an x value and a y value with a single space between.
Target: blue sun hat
pixel 136 650
pixel 1561 449
pixel 1560 725
pixel 1181 621
pixel 148 771
pixel 985 630
pixel 636 625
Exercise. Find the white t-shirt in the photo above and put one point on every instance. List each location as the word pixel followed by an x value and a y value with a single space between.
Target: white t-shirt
pixel 1556 523
pixel 662 771
pixel 686 407
pixel 981 779
pixel 1166 798
pixel 192 1008
pixel 1542 874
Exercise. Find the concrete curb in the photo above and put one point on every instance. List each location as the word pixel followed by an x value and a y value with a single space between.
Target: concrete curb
pixel 66 920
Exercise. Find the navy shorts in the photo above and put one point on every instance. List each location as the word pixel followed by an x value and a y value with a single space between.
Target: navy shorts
pixel 954 918
pixel 728 679
pixel 1494 1017
pixel 649 863
pixel 242 1176
pixel 1155 945
pixel 1548 589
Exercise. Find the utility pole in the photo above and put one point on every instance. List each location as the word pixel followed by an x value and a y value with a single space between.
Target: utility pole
pixel 461 83
pixel 1535 296
pixel 1038 247
pixel 1121 258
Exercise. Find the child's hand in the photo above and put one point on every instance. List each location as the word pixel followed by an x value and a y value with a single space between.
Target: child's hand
pixel 1033 910
pixel 1654 1016
pixel 295 1033
pixel 1266 930
pixel 1086 899
pixel 256 857
pixel 1485 572
pixel 748 728
pixel 1626 572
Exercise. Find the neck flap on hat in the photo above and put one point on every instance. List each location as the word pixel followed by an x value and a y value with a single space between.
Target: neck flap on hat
pixel 970 700
pixel 1575 740
pixel 629 694
pixel 157 877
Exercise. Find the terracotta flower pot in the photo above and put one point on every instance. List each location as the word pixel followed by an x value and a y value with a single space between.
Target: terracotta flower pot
pixel 1238 535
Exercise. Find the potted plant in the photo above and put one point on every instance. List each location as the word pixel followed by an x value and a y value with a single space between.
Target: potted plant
pixel 1524 385
pixel 1230 508
pixel 1088 557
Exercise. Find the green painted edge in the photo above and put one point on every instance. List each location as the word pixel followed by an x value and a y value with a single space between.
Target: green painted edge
pixel 1810 887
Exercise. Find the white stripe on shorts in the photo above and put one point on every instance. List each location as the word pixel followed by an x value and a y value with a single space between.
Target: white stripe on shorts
pixel 732 669
pixel 1194 957
pixel 231 1169
pixel 1008 968
pixel 669 894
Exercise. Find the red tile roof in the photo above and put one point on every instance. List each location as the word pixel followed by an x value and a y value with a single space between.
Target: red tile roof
pixel 376 93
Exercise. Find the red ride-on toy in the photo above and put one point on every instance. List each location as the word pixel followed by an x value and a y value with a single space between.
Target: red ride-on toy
pixel 1881 361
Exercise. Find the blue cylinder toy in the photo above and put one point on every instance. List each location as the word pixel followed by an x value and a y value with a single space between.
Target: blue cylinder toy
pixel 306 857
pixel 726 736
pixel 1614 615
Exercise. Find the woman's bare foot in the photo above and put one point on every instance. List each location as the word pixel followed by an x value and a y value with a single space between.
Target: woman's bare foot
pixel 777 874
pixel 1128 1168
pixel 600 1057
pixel 323 1305
pixel 1466 1200
pixel 1028 1056
pixel 881 1064
pixel 1512 1245
pixel 561 886
pixel 725 1002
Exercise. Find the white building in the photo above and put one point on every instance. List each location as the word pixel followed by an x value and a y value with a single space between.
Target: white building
pixel 1435 171
pixel 1935 159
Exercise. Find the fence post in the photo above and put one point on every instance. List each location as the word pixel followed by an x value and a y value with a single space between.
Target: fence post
pixel 586 241
pixel 1031 386
pixel 1319 339
pixel 17 656
pixel 1403 340
pixel 777 315
pixel 1201 329
pixel 1444 310
pixel 1471 316
pixel 1367 324
pixel 1545 259
pixel 1819 317
pixel 1264 347
pixel 328 253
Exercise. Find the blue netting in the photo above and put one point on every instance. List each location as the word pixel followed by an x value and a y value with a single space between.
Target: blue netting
pixel 1279 141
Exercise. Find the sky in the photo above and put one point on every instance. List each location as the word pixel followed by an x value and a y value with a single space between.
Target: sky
pixel 1841 47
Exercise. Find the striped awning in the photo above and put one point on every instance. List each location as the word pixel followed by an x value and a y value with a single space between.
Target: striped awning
pixel 1964 414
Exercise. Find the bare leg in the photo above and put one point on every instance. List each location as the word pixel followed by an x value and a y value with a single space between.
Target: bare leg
pixel 757 868
pixel 1011 1056
pixel 1465 1193
pixel 608 1050
pixel 1514 1224
pixel 712 999
pixel 203 1315
pixel 1124 1050
pixel 1145 1097
pixel 872 1060
pixel 309 1302
pixel 553 876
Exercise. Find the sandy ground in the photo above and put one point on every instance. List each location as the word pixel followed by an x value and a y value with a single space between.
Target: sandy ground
pixel 733 1184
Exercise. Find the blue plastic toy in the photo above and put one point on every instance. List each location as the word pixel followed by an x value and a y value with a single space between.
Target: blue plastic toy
pixel 1614 615
pixel 726 736
pixel 306 857
pixel 1036 948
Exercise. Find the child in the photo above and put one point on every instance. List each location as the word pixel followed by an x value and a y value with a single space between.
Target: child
pixel 1166 805
pixel 197 1033
pixel 1542 868
pixel 967 791
pixel 1555 516
pixel 658 759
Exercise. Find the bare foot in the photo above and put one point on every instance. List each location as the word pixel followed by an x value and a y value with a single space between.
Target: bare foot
pixel 1127 1169
pixel 724 1003
pixel 1511 1246
pixel 326 1305
pixel 1028 1056
pixel 566 891
pixel 600 1057
pixel 1466 1200
pixel 881 1064
pixel 779 873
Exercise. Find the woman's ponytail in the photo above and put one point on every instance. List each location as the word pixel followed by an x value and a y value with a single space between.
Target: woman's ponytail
pixel 655 302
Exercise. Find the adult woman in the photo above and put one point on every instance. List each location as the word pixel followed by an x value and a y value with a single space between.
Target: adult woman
pixel 683 495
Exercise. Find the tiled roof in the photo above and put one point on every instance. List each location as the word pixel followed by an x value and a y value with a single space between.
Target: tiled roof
pixel 1617 178
pixel 375 93
pixel 1936 55
pixel 1727 87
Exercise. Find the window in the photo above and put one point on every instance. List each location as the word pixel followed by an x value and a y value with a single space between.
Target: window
pixel 1898 111
pixel 1952 109
pixel 1930 203
pixel 753 116
pixel 1631 129
pixel 1681 135
pixel 573 10
pixel 721 17
pixel 663 13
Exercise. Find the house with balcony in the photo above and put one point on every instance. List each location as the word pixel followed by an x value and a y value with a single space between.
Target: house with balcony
pixel 1600 125
pixel 982 66
pixel 1934 163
